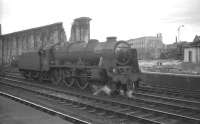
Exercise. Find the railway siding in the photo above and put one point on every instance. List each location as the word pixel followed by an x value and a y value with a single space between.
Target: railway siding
pixel 173 81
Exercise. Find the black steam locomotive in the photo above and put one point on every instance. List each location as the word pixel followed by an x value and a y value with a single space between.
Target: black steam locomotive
pixel 83 64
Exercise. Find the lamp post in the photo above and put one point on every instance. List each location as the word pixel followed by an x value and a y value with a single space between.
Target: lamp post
pixel 179 32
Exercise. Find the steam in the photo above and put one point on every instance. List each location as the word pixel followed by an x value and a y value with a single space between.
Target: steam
pixel 99 89
pixel 108 91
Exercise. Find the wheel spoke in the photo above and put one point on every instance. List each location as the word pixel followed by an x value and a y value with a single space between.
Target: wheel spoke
pixel 27 75
pixel 56 76
pixel 82 83
pixel 35 75
pixel 68 80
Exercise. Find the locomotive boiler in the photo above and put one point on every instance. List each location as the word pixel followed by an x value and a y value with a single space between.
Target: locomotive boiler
pixel 82 64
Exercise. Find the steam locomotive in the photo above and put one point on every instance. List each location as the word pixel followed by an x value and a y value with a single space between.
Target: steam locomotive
pixel 83 64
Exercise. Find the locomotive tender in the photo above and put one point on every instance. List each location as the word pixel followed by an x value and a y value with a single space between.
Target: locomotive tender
pixel 83 64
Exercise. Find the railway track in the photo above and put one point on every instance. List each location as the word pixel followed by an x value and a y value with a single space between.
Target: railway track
pixel 141 107
pixel 80 103
pixel 158 93
pixel 171 94
pixel 171 91
pixel 150 88
pixel 45 109
pixel 191 95
pixel 146 87
pixel 153 93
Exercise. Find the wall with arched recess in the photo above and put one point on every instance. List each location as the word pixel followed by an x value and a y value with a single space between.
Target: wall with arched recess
pixel 14 44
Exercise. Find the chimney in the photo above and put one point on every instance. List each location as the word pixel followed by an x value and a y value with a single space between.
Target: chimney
pixel 111 39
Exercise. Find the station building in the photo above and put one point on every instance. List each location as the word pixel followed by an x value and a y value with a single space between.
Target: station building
pixel 192 51
pixel 148 47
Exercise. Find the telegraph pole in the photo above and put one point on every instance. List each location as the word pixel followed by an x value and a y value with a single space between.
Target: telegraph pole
pixel 179 32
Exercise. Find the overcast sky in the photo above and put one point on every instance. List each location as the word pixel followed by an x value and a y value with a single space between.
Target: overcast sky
pixel 125 19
